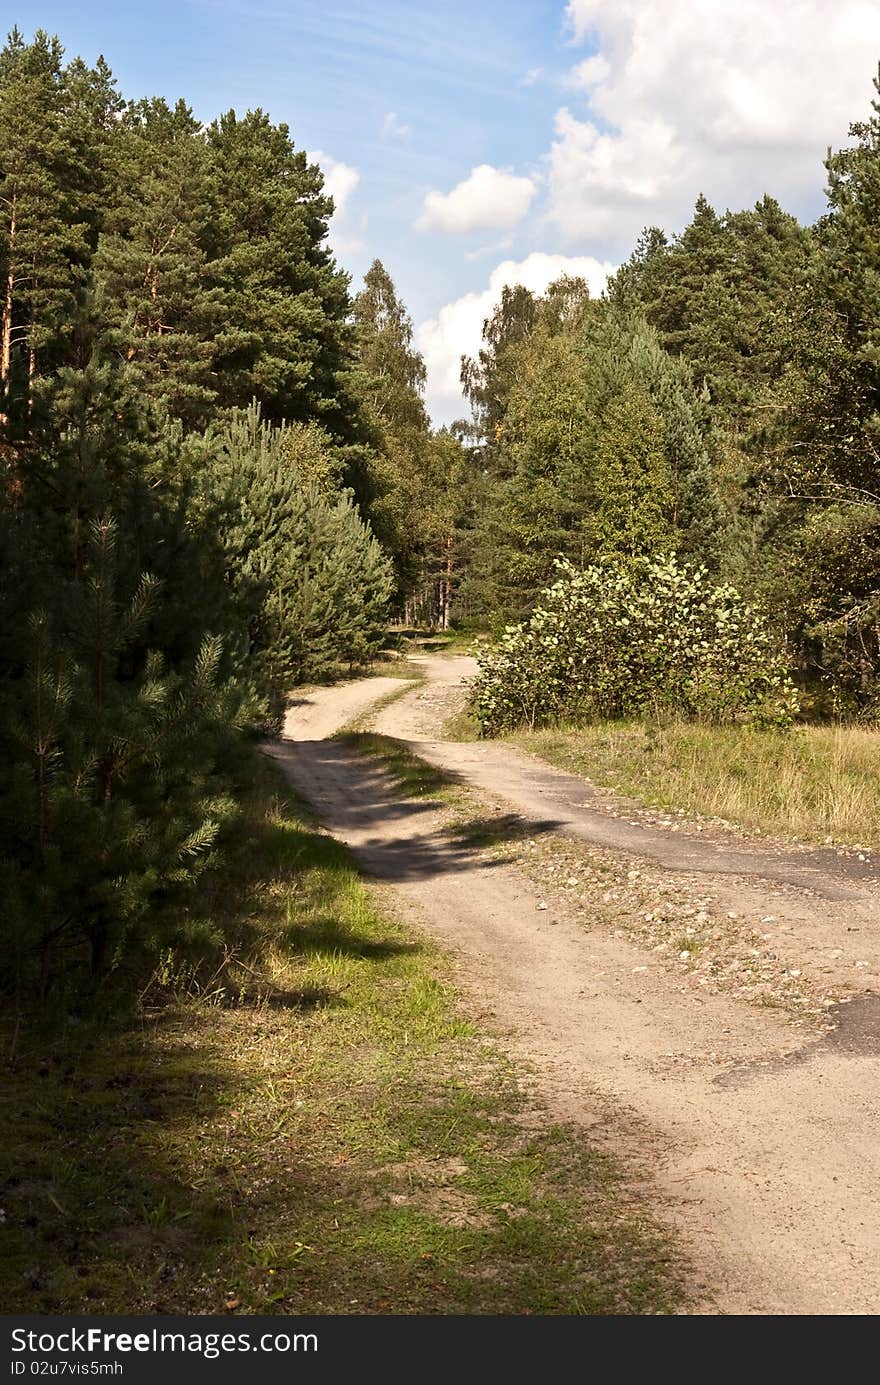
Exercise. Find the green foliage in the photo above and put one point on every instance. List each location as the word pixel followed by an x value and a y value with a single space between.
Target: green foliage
pixel 820 462
pixel 716 295
pixel 309 585
pixel 391 376
pixel 419 486
pixel 393 371
pixel 219 471
pixel 159 301
pixel 825 582
pixel 628 637
pixel 44 229
pixel 632 357
pixel 489 378
pixel 721 405
pixel 600 445
pixel 204 250
pixel 167 561
pixel 632 479
pixel 116 765
pixel 285 338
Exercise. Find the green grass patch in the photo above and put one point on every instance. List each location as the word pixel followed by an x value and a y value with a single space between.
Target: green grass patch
pixel 413 679
pixel 391 663
pixel 442 641
pixel 461 726
pixel 303 1120
pixel 415 777
pixel 815 783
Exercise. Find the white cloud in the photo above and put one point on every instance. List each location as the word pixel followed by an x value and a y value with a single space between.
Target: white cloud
pixel 340 181
pixel 489 199
pixel 458 327
pixel 393 127
pixel 729 97
pixel 533 75
pixel 590 72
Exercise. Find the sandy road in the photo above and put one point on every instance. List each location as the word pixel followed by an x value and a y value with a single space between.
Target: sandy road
pixel 762 1139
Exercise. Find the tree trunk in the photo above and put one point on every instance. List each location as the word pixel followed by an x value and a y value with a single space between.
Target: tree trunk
pixel 447 586
pixel 6 342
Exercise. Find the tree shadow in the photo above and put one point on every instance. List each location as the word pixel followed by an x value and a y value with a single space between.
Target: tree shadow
pixel 312 766
pixel 500 828
pixel 211 1156
pixel 145 1180
pixel 329 935
pixel 302 998
pixel 414 774
pixel 385 832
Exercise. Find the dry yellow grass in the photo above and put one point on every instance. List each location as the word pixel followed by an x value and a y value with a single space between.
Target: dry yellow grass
pixel 816 783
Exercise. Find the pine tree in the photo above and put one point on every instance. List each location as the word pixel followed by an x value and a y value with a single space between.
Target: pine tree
pixel 845 423
pixel 392 371
pixel 152 275
pixel 309 584
pixel 585 381
pixel 284 339
pixel 391 381
pixel 331 603
pixel 420 486
pixel 115 745
pixel 715 295
pixel 629 352
pixel 43 240
pixel 632 480
pixel 94 110
pixel 150 267
pixel 822 468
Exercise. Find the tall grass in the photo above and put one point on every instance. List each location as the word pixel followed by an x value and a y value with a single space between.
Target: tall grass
pixel 816 783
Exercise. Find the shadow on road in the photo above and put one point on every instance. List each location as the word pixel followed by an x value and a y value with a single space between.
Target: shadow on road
pixel 394 838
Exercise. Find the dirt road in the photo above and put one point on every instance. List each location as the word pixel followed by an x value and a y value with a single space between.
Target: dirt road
pixel 761 1132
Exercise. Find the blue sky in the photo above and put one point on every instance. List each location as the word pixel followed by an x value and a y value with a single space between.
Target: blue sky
pixel 451 74
pixel 543 135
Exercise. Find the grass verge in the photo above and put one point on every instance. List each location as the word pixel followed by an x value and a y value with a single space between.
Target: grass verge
pixel 461 726
pixel 415 777
pixel 305 1122
pixel 815 783
pixel 415 678
pixel 441 641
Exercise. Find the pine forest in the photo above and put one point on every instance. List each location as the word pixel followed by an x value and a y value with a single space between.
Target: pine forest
pixel 654 534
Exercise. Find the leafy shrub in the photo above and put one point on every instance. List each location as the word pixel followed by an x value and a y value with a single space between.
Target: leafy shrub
pixel 629 637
